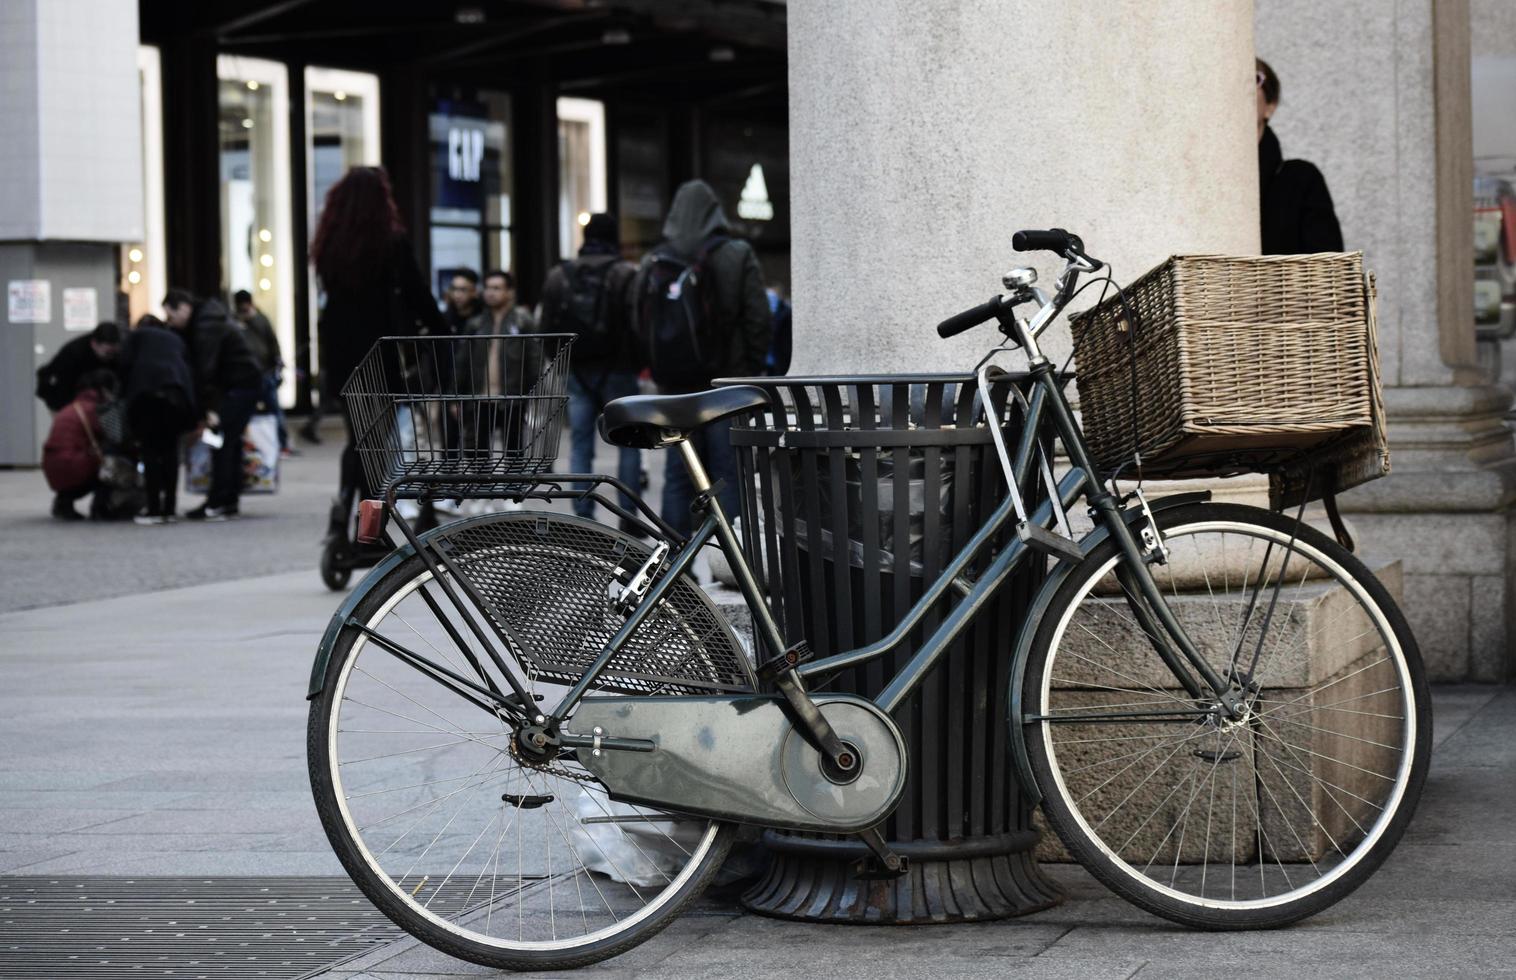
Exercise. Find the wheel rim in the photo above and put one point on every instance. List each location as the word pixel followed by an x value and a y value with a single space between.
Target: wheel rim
pixel 556 886
pixel 1312 809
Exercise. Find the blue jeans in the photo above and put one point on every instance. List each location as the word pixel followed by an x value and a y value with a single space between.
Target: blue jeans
pixel 237 407
pixel 713 444
pixel 588 395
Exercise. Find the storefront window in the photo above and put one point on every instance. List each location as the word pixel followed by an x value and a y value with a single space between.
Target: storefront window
pixel 143 275
pixel 747 163
pixel 341 132
pixel 256 253
pixel 642 168
pixel 472 184
pixel 581 169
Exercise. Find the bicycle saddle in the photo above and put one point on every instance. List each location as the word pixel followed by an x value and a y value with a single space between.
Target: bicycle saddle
pixel 650 421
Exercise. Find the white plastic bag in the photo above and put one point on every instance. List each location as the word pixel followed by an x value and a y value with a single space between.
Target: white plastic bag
pixel 629 844
pixel 260 455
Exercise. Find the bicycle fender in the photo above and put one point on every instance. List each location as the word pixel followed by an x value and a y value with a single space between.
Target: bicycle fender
pixel 344 611
pixel 1029 788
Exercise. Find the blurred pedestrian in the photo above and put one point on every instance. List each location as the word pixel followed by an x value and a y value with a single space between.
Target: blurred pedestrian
pixel 264 342
pixel 463 302
pixel 374 289
pixel 1294 203
pixel 498 367
pixel 777 362
pixel 58 379
pixel 71 456
pixel 159 389
pixel 591 297
pixel 702 309
pixel 228 390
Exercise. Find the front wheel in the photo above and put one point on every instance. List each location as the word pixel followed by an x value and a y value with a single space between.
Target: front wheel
pixel 1223 821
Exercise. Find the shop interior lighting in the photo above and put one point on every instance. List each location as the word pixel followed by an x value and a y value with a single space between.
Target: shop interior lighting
pixel 264 235
pixel 252 86
pixel 135 255
pixel 264 284
pixel 340 96
pixel 134 277
pixel 247 123
pixel 266 260
pixel 584 219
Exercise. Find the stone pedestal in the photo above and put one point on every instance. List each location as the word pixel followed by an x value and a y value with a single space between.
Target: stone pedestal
pixel 1444 511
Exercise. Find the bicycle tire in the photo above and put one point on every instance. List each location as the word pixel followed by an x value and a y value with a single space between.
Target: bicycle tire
pixel 1076 790
pixel 357 855
pixel 334 575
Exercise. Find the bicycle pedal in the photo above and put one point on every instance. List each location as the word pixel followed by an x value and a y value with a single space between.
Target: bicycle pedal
pixel 872 869
pixel 1039 538
pixel 797 654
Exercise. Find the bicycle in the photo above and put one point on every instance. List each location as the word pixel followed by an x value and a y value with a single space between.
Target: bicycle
pixel 532 737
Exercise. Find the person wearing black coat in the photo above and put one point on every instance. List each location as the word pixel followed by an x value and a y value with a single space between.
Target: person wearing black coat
pixel 228 386
pixel 373 288
pixel 1295 207
pixel 58 379
pixel 159 390
pixel 697 232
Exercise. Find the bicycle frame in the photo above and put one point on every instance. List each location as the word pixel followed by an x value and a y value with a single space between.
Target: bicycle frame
pixel 1074 485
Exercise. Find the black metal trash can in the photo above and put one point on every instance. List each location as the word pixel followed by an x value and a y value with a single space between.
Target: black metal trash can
pixel 856 491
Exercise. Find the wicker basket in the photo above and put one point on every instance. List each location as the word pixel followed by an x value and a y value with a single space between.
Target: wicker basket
pixel 1243 364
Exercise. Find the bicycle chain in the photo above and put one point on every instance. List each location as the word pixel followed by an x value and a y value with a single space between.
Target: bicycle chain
pixel 549 767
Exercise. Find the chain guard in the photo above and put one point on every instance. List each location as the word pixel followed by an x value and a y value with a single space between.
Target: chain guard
pixel 740 758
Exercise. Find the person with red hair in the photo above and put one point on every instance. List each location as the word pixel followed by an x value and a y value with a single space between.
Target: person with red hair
pixel 371 283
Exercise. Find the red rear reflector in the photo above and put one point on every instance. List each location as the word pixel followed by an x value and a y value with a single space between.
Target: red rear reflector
pixel 370 521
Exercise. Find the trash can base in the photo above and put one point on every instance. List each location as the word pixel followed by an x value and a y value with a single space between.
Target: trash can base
pixel 813 880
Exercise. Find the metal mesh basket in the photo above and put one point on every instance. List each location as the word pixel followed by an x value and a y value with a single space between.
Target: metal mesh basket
pixel 553 580
pixel 480 409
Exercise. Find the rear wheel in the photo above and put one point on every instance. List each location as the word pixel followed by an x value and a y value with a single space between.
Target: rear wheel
pixel 1213 820
pixel 489 856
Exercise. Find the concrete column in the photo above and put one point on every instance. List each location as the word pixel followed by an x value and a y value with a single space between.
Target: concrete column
pixel 923 133
pixel 70 185
pixel 1377 95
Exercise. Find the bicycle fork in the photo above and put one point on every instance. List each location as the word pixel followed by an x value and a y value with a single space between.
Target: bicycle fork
pixel 1143 596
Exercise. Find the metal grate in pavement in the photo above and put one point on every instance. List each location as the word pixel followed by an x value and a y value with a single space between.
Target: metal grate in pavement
pixel 226 928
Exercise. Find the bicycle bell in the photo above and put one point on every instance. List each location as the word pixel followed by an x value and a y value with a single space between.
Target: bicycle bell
pixel 1018 279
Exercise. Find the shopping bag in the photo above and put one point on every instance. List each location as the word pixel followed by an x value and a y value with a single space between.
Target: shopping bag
pixel 260 455
pixel 197 468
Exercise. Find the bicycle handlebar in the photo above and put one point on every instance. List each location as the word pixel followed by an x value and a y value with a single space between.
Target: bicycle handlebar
pixel 968 319
pixel 1064 243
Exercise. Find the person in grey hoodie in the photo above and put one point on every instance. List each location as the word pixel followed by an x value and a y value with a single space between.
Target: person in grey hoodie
pixel 735 331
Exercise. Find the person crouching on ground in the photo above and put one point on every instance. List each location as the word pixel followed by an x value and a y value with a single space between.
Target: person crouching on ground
pixel 71 457
pixel 228 385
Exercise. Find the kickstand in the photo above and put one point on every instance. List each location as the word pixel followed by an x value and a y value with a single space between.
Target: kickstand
pixel 883 864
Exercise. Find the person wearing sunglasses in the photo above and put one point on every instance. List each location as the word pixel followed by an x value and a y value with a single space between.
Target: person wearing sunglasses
pixel 1295 206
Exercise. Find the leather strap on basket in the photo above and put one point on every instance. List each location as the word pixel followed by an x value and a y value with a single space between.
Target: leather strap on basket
pixel 1339 529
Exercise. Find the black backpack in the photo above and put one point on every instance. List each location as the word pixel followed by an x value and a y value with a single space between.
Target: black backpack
pixel 678 310
pixel 582 308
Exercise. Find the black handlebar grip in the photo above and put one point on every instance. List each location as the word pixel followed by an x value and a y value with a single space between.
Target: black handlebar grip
pixel 968 319
pixel 1052 240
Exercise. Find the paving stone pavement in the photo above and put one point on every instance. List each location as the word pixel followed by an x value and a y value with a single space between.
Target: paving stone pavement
pixel 162 733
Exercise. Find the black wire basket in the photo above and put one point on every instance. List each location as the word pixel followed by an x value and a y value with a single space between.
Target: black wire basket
pixel 439 417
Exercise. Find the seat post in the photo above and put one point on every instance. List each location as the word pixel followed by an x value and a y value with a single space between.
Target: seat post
pixel 697 469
